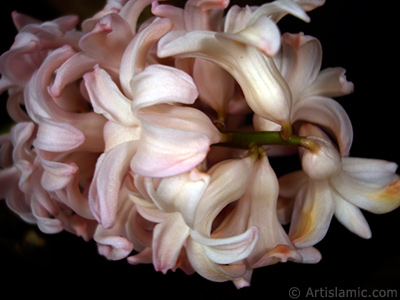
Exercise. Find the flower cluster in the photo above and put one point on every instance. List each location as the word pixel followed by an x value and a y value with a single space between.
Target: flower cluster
pixel 154 139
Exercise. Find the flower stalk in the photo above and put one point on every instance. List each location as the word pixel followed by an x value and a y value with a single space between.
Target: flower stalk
pixel 245 140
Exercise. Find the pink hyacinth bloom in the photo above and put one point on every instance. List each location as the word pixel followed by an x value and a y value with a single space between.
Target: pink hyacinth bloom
pixel 152 135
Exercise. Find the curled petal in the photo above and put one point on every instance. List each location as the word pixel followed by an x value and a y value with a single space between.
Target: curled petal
pixel 134 59
pixel 162 84
pixel 202 15
pixel 229 181
pixel 370 184
pixel 276 10
pixel 107 41
pixel 168 239
pixel 263 35
pixel 173 140
pixel 21 137
pixel 312 214
pixel 280 253
pixel 113 243
pixel 302 61
pixel 57 175
pixel 107 99
pixel 173 13
pixel 209 269
pixel 323 162
pixel 111 169
pixel 228 250
pixel 179 193
pixel 265 90
pixel 328 114
pixel 58 137
pixel 330 82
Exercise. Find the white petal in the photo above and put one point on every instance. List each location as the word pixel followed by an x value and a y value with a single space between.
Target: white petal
pixel 351 217
pixel 228 250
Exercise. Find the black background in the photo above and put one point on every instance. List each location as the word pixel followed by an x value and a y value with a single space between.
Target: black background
pixel 357 35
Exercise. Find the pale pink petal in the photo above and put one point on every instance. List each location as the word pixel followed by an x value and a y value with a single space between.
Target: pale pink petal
pixel 168 239
pixel 265 90
pixel 70 71
pixel 180 193
pixel 321 163
pixel 107 99
pixel 173 13
pixel 21 138
pixel 111 169
pixel 207 268
pixel 229 181
pixel 173 140
pixel 125 134
pixel 280 253
pixel 263 35
pixel 351 217
pixel 309 5
pixel 113 243
pixel 276 10
pixel 143 257
pixel 302 61
pixel 216 86
pixel 134 59
pixel 328 114
pixel 58 137
pixel 236 18
pixel 132 10
pixel 228 250
pixel 330 82
pixel 370 184
pixel 162 84
pixel 107 41
pixel 57 175
pixel 20 20
pixel 204 14
pixel 312 214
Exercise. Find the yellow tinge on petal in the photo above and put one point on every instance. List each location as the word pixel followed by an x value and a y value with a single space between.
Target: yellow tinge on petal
pixel 389 196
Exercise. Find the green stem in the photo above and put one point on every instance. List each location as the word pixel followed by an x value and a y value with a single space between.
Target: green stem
pixel 245 140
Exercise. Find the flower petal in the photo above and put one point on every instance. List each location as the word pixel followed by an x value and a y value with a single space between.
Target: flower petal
pixel 302 61
pixel 107 99
pixel 228 250
pixel 57 137
pixel 328 114
pixel 162 84
pixel 111 169
pixel 330 82
pixel 180 193
pixel 174 140
pixel 265 90
pixel 370 184
pixel 312 214
pixel 207 268
pixel 168 239
pixel 351 217
pixel 134 59
pixel 229 181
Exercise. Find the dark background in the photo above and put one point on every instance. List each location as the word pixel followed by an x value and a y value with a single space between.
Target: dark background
pixel 356 35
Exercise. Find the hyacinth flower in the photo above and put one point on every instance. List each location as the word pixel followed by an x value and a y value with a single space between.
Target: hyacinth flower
pixel 154 139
